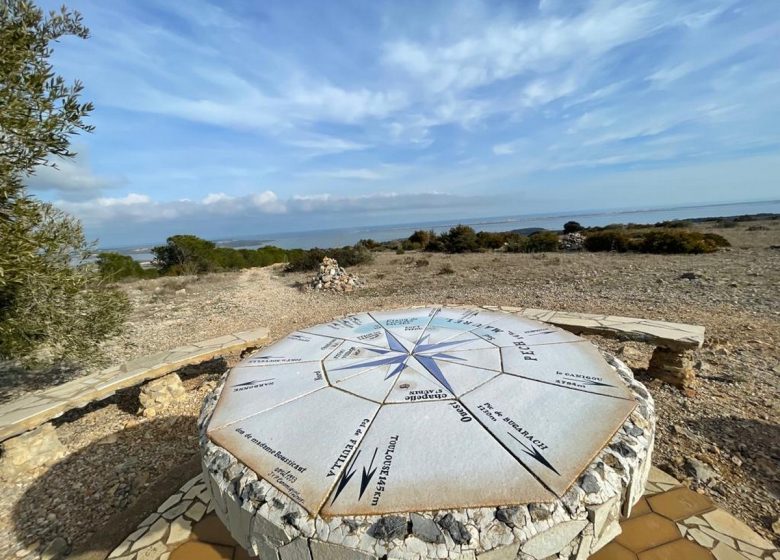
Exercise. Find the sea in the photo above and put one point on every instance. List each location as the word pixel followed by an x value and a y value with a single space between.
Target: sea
pixel 349 236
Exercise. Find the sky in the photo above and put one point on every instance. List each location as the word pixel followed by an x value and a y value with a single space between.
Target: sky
pixel 236 118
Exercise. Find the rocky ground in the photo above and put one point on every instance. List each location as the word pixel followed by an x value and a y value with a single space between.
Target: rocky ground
pixel 724 440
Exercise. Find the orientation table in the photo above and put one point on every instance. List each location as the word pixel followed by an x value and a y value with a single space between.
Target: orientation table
pixel 431 432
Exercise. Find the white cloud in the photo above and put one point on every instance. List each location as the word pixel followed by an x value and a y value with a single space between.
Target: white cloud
pixel 143 209
pixel 361 174
pixel 71 179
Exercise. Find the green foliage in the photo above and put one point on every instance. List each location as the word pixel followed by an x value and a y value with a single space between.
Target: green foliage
pixel 495 239
pixel 113 267
pixel 40 111
pixel 307 260
pixel 572 227
pixel 613 239
pixel 51 308
pixel 189 254
pixel 655 240
pixel 459 239
pixel 670 241
pixel 542 242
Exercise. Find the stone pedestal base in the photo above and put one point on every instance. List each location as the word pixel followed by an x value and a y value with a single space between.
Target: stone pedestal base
pixel 37 448
pixel 270 525
pixel 159 393
pixel 672 366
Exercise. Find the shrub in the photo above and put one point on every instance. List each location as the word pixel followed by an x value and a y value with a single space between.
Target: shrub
pixel 446 269
pixel 542 241
pixel 572 227
pixel 716 240
pixel 493 239
pixel 421 262
pixel 460 239
pixel 608 240
pixel 667 241
pixel 422 237
pixel 113 267
pixel 519 245
pixel 307 260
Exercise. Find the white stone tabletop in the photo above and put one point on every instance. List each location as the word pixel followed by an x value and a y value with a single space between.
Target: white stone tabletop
pixel 421 409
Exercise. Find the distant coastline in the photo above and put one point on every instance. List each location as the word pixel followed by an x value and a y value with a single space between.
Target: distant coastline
pixel 349 236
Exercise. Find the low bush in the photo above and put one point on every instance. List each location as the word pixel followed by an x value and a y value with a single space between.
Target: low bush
pixel 608 240
pixel 666 241
pixel 658 240
pixel 572 227
pixel 307 260
pixel 542 242
pixel 115 266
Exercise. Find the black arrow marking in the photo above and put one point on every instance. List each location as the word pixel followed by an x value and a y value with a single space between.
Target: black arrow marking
pixel 533 452
pixel 253 382
pixel 367 475
pixel 346 476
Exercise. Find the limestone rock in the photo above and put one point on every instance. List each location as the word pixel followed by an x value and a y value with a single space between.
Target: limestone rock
pixel 672 366
pixel 37 448
pixel 160 393
pixel 554 539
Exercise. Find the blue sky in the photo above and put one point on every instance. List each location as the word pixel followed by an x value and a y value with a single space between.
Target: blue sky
pixel 236 118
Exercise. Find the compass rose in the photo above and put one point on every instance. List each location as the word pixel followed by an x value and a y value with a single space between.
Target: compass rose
pixel 424 352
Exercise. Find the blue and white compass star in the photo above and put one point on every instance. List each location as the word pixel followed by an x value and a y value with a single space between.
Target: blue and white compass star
pixel 397 355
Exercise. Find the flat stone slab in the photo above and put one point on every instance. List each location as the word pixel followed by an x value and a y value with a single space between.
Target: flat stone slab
pixel 676 336
pixel 30 411
pixel 447 410
pixel 509 397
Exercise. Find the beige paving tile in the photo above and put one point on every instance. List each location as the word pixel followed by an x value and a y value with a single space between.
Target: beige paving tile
pixel 613 551
pixel 725 552
pixel 730 525
pixel 679 503
pixel 677 550
pixel 648 531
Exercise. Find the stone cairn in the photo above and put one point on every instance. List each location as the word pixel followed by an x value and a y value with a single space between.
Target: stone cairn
pixel 333 277
pixel 572 242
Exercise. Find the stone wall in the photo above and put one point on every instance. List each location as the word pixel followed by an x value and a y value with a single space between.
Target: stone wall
pixel 269 524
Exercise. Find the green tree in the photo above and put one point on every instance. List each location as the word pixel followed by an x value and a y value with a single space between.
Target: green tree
pixel 53 306
pixel 114 266
pixel 186 254
pixel 460 239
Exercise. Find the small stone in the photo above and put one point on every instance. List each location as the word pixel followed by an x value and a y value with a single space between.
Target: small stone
pixel 456 530
pixel 776 526
pixel 538 512
pixel 388 528
pixel 426 529
pixel 590 484
pixel 699 471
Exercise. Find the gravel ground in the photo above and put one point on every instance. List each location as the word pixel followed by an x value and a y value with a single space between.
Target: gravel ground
pixel 732 423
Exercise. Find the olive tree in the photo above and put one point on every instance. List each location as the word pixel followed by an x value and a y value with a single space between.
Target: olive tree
pixel 53 305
